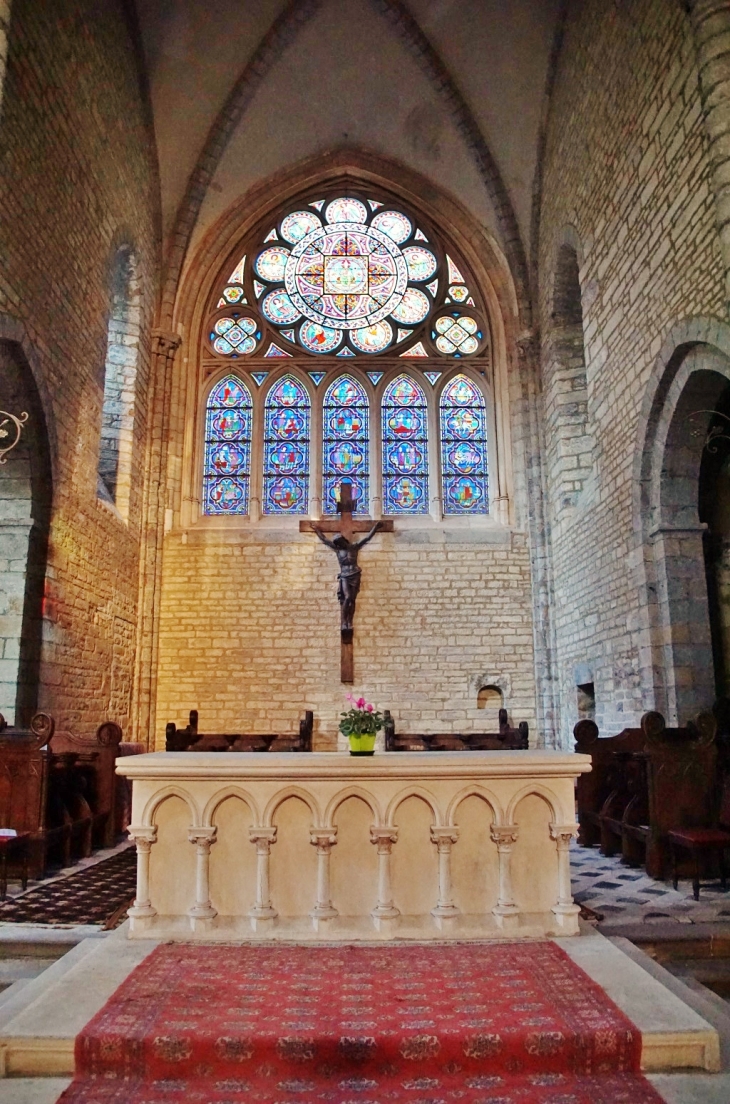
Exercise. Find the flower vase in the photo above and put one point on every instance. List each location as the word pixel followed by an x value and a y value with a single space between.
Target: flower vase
pixel 362 745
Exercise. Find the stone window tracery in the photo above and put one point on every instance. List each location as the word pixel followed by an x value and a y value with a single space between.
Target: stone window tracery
pixel 347 276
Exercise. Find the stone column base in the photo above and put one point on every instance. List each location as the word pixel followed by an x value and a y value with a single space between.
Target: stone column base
pixel 566 917
pixel 506 917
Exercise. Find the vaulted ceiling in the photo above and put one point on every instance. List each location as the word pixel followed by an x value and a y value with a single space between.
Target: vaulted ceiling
pixel 423 82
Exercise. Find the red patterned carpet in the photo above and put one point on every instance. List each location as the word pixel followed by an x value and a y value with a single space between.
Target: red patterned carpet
pixel 514 1023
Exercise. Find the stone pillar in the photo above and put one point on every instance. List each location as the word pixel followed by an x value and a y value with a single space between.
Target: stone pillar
pixel 565 910
pixel 202 911
pixel 324 840
pixel 385 913
pixel 15 536
pixel 5 6
pixel 529 438
pixel 164 347
pixel 445 909
pixel 711 26
pixel 263 914
pixel 505 912
pixel 142 911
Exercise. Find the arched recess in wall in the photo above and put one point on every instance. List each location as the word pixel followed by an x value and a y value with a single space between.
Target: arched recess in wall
pixel 25 510
pixel 569 440
pixel 120 379
pixel 683 501
pixel 347 172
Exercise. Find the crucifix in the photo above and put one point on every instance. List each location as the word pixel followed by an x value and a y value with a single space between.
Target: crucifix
pixel 348 581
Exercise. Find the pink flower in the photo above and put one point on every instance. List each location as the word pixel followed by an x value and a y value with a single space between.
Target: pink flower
pixel 369 708
pixel 360 703
pixel 350 698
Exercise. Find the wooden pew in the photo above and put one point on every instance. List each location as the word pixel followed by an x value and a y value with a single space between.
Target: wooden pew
pixel 507 739
pixel 60 788
pixel 190 739
pixel 604 784
pixel 647 782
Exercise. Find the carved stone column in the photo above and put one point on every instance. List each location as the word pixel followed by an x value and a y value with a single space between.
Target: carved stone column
pixel 385 913
pixel 711 26
pixel 324 840
pixel 263 914
pixel 565 910
pixel 445 909
pixel 154 500
pixel 505 912
pixel 530 495
pixel 202 911
pixel 142 911
pixel 5 6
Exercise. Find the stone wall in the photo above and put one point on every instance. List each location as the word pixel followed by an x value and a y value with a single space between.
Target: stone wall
pixel 77 180
pixel 250 631
pixel 626 172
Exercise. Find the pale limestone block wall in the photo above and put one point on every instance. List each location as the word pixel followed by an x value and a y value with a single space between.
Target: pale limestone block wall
pixel 249 630
pixel 627 169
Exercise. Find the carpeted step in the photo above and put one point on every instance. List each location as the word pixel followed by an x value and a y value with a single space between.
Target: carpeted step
pixel 536 1088
pixel 513 1021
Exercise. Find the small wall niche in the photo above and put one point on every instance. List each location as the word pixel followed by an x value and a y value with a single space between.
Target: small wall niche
pixel 586 700
pixel 490 697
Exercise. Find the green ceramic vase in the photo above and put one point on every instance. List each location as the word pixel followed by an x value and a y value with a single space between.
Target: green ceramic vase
pixel 362 745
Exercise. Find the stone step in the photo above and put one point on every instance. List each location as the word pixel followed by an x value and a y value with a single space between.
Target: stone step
pixel 37 1034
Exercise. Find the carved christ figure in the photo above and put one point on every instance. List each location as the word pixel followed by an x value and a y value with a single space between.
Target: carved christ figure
pixel 348 584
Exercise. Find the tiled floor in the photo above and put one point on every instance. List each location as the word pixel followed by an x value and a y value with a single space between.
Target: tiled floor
pixel 622 893
pixel 91 892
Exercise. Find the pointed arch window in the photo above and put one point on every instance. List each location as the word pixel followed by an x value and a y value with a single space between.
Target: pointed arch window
pixel 405 447
pixel 286 448
pixel 345 443
pixel 227 448
pixel 463 420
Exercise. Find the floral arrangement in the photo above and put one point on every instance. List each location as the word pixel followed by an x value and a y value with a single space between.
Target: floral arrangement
pixel 361 720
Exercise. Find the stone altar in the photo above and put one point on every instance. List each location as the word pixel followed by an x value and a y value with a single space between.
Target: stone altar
pixel 284 846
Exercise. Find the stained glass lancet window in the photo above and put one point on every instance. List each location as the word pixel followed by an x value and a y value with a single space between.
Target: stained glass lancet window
pixel 227 448
pixel 286 448
pixel 345 443
pixel 464 448
pixel 405 448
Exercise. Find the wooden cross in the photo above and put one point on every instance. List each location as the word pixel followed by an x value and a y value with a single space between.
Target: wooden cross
pixel 349 578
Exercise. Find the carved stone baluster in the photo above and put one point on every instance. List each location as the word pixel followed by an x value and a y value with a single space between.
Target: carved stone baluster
pixel 324 840
pixel 263 914
pixel 385 913
pixel 142 911
pixel 565 910
pixel 445 910
pixel 202 911
pixel 505 912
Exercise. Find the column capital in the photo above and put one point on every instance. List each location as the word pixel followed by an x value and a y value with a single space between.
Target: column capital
pixel 323 837
pixel 504 835
pixel 202 835
pixel 563 833
pixel 142 833
pixel 165 343
pixel 382 834
pixel 443 837
pixel 261 834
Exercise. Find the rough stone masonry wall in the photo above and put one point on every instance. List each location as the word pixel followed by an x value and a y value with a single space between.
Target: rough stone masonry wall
pixel 626 165
pixel 250 632
pixel 78 178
